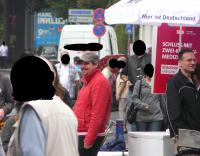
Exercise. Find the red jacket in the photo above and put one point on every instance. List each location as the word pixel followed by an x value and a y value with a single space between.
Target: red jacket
pixel 93 104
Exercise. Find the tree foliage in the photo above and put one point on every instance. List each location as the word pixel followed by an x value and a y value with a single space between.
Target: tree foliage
pixel 35 5
pixel 122 38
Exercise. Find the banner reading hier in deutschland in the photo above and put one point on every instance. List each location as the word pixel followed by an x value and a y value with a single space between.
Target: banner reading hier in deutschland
pixel 166 54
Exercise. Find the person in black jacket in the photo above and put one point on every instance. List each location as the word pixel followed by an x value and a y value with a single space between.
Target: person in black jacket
pixel 196 77
pixel 183 102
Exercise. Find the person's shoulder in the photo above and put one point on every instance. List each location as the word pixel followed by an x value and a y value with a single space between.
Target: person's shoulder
pixel 146 55
pixel 105 72
pixel 176 76
pixel 105 69
pixel 175 79
pixel 101 78
pixel 132 57
pixel 57 64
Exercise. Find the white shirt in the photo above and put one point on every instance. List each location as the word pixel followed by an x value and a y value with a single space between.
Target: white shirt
pixel 4 50
pixel 67 76
pixel 106 72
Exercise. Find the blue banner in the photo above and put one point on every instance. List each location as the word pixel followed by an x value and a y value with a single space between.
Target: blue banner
pixel 48 28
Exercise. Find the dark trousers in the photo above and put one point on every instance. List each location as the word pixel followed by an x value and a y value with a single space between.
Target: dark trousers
pixel 3 61
pixel 93 151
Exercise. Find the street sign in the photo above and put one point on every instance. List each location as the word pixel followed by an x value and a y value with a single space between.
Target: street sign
pixel 80 16
pixel 129 28
pixel 99 29
pixel 80 12
pixel 80 19
pixel 99 15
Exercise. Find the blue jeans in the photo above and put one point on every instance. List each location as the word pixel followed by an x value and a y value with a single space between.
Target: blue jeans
pixel 149 126
pixel 2 153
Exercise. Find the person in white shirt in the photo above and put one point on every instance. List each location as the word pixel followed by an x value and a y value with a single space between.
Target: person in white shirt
pixel 68 75
pixel 4 55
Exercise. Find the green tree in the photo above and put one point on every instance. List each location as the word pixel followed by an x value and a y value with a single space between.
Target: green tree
pixel 122 38
pixel 111 2
pixel 35 5
pixel 98 4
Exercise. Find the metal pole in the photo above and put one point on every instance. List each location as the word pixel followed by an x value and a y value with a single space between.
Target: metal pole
pixel 180 37
pixel 99 41
pixel 129 41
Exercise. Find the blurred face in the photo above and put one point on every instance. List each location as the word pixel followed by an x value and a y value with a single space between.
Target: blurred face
pixel 114 70
pixel 188 62
pixel 87 68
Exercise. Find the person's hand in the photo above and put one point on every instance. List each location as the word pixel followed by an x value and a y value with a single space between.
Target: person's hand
pixel 124 77
pixel 87 146
pixel 146 108
pixel 129 83
pixel 174 142
pixel 2 114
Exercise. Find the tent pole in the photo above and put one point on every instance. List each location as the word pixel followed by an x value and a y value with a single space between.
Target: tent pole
pixel 180 37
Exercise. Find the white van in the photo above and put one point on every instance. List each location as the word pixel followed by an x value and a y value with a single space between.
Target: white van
pixel 73 34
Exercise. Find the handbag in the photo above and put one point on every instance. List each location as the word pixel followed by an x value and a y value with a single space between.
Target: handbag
pixel 188 138
pixel 132 110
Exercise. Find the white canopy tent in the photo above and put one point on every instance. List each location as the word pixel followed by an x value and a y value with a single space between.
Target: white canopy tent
pixel 153 12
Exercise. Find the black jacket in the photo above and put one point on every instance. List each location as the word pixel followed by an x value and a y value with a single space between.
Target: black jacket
pixel 183 104
pixel 134 67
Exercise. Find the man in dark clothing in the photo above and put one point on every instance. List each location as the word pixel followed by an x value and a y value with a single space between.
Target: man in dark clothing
pixel 136 63
pixel 183 102
pixel 134 68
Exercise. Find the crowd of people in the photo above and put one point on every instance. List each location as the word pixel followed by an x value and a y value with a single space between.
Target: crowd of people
pixel 64 108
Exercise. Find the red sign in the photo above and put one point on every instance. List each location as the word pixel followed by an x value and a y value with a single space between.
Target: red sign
pixel 99 15
pixel 166 54
pixel 99 29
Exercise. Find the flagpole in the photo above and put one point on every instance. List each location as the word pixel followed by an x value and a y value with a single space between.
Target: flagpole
pixel 180 37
